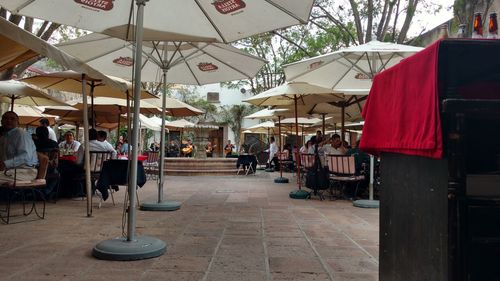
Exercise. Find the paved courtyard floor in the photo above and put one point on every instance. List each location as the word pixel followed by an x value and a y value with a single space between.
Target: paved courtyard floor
pixel 242 228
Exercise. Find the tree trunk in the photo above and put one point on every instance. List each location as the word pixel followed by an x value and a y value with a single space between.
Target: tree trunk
pixel 369 23
pixel 410 12
pixel 357 21
pixel 382 23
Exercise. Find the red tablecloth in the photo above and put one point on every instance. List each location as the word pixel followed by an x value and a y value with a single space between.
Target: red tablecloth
pixel 142 157
pixel 402 110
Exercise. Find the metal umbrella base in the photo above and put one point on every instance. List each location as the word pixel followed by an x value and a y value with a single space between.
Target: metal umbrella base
pixel 374 204
pixel 280 180
pixel 299 194
pixel 119 249
pixel 161 206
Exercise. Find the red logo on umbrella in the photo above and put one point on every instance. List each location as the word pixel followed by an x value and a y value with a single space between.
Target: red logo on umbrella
pixel 125 61
pixel 207 66
pixel 361 76
pixel 228 6
pixel 315 64
pixel 104 5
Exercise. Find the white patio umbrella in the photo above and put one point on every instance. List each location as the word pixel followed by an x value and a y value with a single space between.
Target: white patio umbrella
pixel 349 71
pixel 265 113
pixel 294 93
pixel 261 128
pixel 175 20
pixel 192 63
pixel 175 107
pixel 12 91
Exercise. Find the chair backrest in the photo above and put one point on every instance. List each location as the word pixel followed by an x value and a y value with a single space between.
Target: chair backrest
pixel 307 160
pixel 283 155
pixel 341 164
pixel 43 165
pixel 97 159
pixel 153 156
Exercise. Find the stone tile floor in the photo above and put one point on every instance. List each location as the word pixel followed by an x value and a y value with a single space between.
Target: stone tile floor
pixel 229 228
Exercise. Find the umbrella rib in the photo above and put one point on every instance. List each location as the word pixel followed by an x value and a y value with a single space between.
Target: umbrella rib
pixel 187 64
pixel 349 68
pixel 189 56
pixel 211 21
pixel 130 16
pixel 170 60
pixel 369 64
pixel 286 11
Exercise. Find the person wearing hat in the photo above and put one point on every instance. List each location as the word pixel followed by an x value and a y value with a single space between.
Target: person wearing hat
pixel 52 135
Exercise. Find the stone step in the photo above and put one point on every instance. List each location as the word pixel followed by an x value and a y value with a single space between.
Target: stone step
pixel 198 167
pixel 201 172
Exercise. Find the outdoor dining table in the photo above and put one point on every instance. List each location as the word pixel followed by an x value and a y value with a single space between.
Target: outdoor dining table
pixel 115 172
pixel 247 160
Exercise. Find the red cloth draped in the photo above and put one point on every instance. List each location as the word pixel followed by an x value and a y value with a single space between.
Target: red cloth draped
pixel 402 110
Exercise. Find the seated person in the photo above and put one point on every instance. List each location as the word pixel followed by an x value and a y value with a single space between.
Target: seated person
pixel 17 151
pixel 173 149
pixel 96 145
pixel 42 141
pixel 361 160
pixel 45 145
pixel 69 147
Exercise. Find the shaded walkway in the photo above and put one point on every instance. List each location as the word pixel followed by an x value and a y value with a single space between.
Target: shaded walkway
pixel 229 228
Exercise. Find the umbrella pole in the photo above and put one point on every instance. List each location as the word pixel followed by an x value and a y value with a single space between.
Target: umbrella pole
pixel 323 117
pixel 92 103
pixel 12 103
pixel 342 128
pixel 281 179
pixel 162 205
pixel 86 157
pixel 297 134
pixel 133 247
pixel 118 128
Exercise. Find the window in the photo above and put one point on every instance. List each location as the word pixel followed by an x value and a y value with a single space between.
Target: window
pixel 213 97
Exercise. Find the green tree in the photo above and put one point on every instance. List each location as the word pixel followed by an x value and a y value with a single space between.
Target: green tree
pixel 233 116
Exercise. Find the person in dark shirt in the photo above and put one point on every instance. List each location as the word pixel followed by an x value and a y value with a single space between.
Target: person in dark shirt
pixel 42 141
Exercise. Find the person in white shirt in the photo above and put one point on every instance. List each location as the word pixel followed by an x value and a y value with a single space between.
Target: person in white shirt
pixel 45 122
pixel 102 136
pixel 69 146
pixel 273 149
pixel 94 145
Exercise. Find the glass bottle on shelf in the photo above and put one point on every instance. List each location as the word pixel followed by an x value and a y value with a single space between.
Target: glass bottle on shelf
pixel 443 32
pixel 477 26
pixel 493 26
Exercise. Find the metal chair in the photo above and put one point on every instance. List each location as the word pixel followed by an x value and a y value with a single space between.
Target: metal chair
pixel 151 165
pixel 342 170
pixel 27 191
pixel 97 159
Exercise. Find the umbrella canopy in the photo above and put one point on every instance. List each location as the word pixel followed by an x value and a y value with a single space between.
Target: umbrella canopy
pixel 179 124
pixel 288 93
pixel 12 91
pixel 70 81
pixel 349 71
pixel 261 128
pixel 175 107
pixel 107 108
pixel 193 63
pixel 18 45
pixel 265 114
pixel 31 116
pixel 174 20
pixel 300 121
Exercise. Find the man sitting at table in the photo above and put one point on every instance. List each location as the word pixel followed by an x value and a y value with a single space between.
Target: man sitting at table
pixel 96 145
pixel 69 147
pixel 17 151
